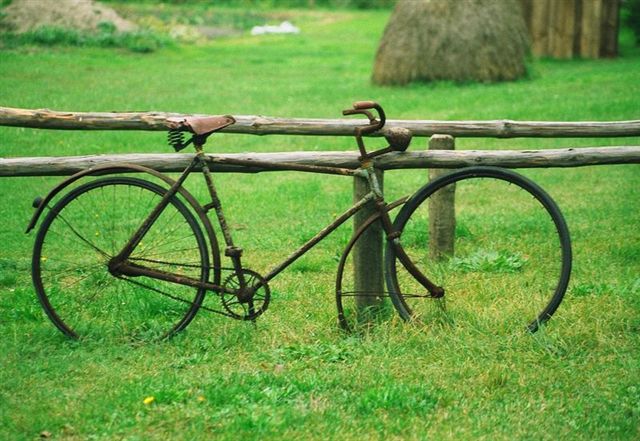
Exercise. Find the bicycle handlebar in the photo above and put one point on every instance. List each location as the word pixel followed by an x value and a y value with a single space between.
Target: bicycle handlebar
pixel 362 105
pixel 363 108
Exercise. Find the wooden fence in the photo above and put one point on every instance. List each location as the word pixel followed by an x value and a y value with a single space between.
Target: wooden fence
pixel 441 153
pixel 573 28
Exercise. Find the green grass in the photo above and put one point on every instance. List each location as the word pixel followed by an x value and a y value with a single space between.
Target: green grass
pixel 294 374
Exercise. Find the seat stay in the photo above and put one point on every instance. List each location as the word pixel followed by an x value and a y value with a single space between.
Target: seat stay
pixel 142 230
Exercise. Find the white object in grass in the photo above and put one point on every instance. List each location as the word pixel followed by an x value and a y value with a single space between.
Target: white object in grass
pixel 283 28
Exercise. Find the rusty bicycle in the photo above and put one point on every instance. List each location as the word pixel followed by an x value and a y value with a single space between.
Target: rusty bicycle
pixel 121 254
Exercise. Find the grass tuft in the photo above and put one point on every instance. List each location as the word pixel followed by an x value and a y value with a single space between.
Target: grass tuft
pixel 489 262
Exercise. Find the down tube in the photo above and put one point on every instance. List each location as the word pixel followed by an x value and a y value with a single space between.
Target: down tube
pixel 321 235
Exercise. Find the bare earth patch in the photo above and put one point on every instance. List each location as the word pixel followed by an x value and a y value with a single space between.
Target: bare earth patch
pixel 25 15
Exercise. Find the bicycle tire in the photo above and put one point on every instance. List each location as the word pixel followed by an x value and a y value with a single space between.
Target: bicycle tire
pixel 542 244
pixel 89 225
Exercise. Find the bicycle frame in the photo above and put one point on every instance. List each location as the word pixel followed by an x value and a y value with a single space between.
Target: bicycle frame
pixel 120 266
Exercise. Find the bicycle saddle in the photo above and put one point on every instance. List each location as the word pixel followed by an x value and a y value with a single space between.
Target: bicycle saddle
pixel 200 126
pixel 207 124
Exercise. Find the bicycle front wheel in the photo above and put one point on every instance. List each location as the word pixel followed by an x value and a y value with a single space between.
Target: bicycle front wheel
pixel 511 252
pixel 90 225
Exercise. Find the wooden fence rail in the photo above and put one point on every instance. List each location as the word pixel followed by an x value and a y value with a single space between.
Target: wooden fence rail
pixel 175 162
pixel 263 125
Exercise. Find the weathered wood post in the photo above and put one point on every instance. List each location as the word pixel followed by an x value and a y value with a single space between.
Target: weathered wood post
pixel 442 212
pixel 367 252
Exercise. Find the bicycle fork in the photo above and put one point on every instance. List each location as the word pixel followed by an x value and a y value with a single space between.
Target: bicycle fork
pixel 393 236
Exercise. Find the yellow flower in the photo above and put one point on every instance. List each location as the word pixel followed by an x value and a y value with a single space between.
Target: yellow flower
pixel 149 400
pixel 201 398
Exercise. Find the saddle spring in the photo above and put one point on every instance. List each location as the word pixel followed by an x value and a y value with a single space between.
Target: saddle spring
pixel 175 138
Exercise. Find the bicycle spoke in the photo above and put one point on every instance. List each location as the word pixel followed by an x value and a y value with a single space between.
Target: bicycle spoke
pixel 82 238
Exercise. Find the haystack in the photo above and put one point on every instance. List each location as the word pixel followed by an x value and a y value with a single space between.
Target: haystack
pixel 84 15
pixel 470 40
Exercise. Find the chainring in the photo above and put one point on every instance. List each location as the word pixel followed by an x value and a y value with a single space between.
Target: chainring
pixel 257 301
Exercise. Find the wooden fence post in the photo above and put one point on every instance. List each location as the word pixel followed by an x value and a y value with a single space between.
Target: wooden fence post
pixel 442 213
pixel 367 252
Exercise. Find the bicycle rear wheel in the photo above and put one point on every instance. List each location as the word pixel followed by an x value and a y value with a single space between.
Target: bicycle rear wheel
pixel 512 256
pixel 91 224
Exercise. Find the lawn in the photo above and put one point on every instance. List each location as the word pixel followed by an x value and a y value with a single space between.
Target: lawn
pixel 295 375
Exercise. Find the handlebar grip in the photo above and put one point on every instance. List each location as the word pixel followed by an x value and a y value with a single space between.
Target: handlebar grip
pixel 362 105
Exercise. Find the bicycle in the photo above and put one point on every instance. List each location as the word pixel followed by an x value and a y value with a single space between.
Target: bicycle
pixel 137 256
